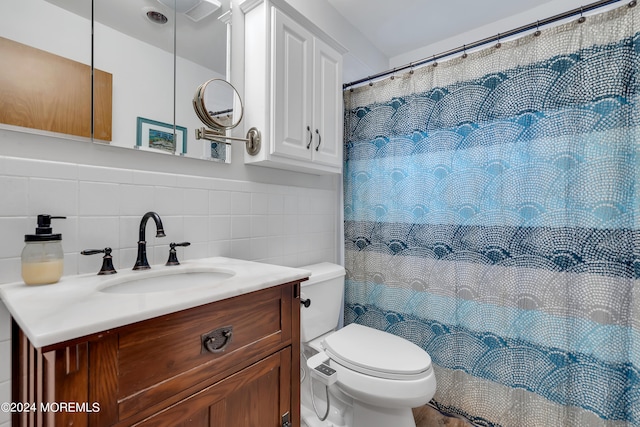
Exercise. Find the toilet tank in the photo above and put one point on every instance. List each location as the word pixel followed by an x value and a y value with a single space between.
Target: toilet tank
pixel 325 289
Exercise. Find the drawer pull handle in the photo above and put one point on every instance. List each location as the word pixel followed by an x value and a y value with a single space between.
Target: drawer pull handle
pixel 217 340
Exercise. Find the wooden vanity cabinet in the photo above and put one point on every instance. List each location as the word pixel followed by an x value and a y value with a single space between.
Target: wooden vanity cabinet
pixel 159 372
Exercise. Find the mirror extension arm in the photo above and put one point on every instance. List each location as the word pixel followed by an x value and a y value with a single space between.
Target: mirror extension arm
pixel 252 141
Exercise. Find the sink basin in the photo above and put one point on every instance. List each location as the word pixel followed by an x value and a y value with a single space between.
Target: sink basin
pixel 164 281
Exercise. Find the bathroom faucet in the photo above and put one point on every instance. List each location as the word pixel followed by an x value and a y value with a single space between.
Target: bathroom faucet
pixel 141 261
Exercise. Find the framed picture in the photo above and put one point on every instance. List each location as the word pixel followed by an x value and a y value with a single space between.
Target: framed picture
pixel 158 136
pixel 217 151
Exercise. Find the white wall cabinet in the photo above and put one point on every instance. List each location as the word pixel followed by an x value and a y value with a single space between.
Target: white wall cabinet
pixel 293 89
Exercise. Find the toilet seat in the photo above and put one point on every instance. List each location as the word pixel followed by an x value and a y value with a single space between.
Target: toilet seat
pixel 377 353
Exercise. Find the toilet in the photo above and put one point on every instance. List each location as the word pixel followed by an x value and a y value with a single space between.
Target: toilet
pixel 374 377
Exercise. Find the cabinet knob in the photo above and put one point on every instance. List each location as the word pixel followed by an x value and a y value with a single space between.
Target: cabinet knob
pixel 310 137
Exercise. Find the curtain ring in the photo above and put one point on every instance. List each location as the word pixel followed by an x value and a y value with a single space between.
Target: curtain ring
pixel 538 32
pixel 582 18
pixel 411 65
pixel 393 74
pixel 435 63
pixel 632 3
pixel 370 82
pixel 464 50
pixel 498 44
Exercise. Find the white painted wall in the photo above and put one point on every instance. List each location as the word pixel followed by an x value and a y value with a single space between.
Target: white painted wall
pixel 545 10
pixel 363 58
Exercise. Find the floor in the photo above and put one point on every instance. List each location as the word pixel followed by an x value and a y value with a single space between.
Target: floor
pixel 426 416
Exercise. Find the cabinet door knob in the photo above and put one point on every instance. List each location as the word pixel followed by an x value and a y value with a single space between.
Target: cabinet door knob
pixel 319 140
pixel 310 137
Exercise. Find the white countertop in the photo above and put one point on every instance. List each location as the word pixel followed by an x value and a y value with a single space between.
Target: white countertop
pixel 75 306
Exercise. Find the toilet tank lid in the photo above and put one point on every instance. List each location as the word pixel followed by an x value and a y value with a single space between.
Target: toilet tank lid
pixel 322 271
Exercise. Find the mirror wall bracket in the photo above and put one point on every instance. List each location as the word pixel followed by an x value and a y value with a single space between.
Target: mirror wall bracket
pixel 252 141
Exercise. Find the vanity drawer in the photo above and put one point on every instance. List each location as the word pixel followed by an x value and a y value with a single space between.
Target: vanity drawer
pixel 164 358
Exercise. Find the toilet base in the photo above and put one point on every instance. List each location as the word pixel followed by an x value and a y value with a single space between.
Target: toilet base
pixel 370 416
pixel 363 416
pixel 340 412
pixel 310 419
pixel 344 411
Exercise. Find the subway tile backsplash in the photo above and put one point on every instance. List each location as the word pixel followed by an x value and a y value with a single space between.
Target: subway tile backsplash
pixel 278 224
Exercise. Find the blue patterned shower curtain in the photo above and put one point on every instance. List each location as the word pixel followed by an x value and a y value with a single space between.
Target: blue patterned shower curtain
pixel 492 216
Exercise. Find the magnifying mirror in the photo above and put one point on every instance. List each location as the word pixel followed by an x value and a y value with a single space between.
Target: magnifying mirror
pixel 218 105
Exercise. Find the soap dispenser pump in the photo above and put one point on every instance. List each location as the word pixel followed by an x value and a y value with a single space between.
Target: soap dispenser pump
pixel 42 256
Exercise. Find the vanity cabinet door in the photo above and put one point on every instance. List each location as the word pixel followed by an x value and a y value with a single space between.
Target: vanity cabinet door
pixel 160 357
pixel 257 396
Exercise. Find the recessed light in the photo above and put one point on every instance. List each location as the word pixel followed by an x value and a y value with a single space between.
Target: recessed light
pixel 155 16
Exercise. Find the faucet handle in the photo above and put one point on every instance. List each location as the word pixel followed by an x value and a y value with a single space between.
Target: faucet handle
pixel 173 255
pixel 107 260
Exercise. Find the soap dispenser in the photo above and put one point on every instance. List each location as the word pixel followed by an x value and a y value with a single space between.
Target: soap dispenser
pixel 42 256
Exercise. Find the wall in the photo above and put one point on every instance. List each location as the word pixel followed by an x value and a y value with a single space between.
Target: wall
pixel 362 58
pixel 543 11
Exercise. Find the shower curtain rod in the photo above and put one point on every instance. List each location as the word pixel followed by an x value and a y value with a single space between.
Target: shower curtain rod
pixel 498 37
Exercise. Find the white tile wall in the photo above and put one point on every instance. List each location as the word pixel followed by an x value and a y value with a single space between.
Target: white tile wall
pixel 278 224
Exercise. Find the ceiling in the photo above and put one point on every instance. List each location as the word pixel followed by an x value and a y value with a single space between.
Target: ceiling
pixel 400 26
pixel 203 42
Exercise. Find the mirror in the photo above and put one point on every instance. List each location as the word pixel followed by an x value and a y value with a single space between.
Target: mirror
pixel 139 57
pixel 218 105
pixel 45 85
pixel 155 41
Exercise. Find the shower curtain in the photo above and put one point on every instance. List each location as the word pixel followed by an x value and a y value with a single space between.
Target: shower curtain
pixel 492 217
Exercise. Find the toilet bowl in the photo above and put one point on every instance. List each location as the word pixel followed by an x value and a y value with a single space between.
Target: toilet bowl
pixel 378 377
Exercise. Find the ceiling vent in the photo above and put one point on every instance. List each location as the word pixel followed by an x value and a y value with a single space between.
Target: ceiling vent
pixel 193 9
